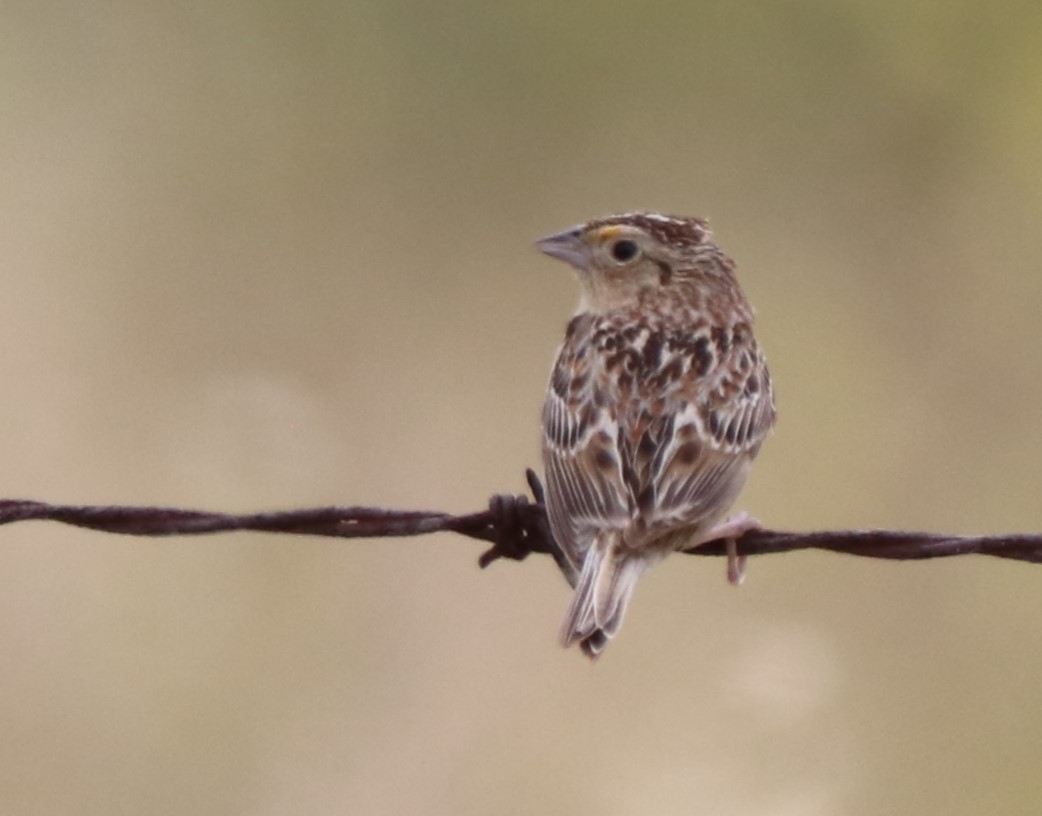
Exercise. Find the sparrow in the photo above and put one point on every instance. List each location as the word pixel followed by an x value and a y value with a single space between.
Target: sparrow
pixel 658 402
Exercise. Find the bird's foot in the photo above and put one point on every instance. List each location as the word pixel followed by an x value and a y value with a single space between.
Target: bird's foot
pixel 731 530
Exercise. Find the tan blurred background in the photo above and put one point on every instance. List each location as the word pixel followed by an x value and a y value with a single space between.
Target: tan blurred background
pixel 260 256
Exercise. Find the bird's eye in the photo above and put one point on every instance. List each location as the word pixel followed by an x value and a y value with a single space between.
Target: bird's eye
pixel 624 250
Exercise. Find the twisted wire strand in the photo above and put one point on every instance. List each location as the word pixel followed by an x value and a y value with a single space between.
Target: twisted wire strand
pixel 515 526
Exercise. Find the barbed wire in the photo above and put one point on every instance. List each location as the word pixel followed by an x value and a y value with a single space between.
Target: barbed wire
pixel 515 526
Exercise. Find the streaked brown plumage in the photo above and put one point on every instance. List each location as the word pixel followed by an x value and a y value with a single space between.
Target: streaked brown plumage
pixel 657 404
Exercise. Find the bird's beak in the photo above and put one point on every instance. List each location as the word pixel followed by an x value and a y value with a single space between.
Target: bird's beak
pixel 567 246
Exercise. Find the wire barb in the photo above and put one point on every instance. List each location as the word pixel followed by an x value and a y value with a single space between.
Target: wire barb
pixel 515 526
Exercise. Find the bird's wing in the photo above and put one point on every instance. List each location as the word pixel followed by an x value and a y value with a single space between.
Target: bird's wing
pixel 649 433
pixel 691 445
pixel 586 492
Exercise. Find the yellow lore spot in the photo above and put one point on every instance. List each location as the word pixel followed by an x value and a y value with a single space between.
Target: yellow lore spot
pixel 607 233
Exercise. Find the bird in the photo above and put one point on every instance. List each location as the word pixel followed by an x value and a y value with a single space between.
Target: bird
pixel 658 401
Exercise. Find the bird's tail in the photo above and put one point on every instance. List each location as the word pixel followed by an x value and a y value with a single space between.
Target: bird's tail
pixel 606 582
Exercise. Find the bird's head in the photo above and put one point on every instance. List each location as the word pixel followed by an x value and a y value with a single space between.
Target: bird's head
pixel 622 257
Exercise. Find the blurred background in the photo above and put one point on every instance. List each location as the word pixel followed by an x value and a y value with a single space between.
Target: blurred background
pixel 264 256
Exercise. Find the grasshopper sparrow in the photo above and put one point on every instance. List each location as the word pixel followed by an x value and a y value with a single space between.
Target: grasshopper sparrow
pixel 657 404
